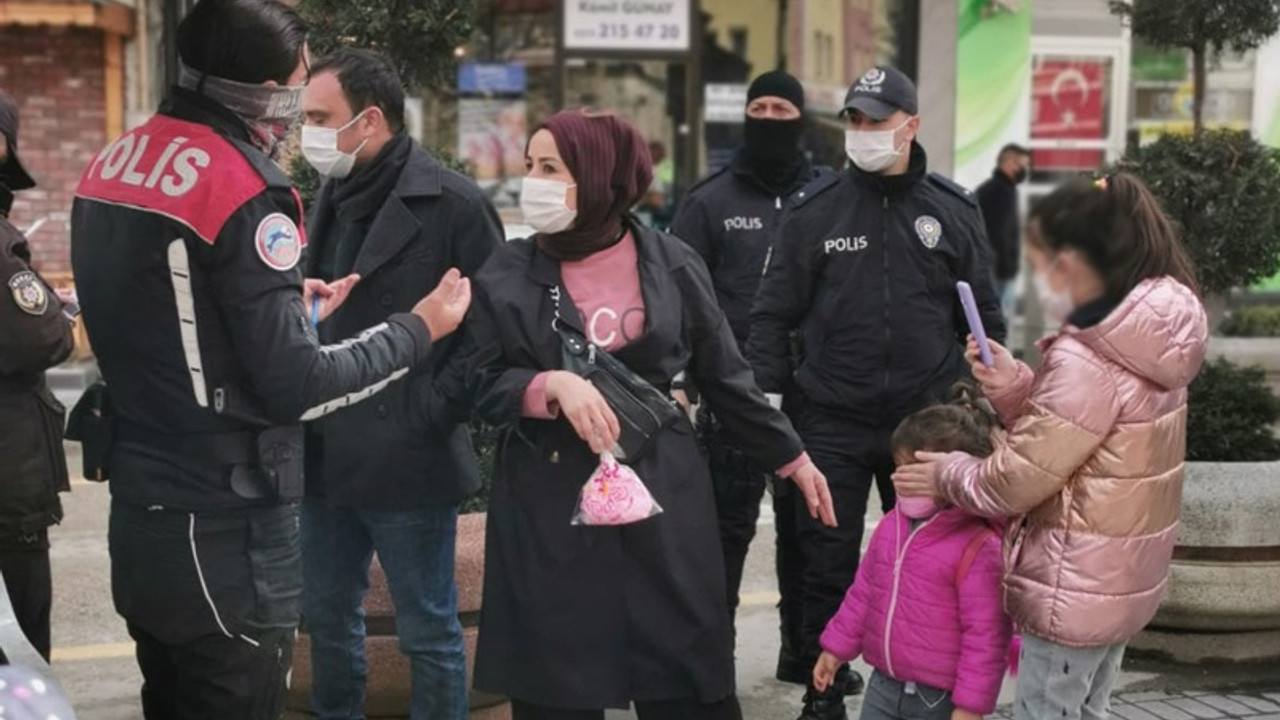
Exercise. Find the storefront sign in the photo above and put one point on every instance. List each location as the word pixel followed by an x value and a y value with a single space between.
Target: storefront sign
pixel 724 103
pixel 627 25
pixel 492 78
pixel 491 139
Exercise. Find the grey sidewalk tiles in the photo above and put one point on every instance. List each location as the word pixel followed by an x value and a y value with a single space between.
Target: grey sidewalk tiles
pixel 1166 711
pixel 1189 705
pixel 1257 704
pixel 1133 698
pixel 1132 712
pixel 1199 709
pixel 1227 705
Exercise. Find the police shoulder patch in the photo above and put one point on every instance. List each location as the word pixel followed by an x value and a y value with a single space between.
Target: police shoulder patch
pixel 29 293
pixel 814 188
pixel 954 188
pixel 278 242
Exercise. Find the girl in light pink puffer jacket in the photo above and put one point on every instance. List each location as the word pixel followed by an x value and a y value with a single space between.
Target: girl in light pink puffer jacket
pixel 1092 467
pixel 924 610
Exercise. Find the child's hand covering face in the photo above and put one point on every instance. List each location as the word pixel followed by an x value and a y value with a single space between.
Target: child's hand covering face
pixel 920 479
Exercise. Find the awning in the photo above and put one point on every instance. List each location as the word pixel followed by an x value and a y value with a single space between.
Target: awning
pixel 111 17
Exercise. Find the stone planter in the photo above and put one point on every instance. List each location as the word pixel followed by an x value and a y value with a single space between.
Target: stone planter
pixel 388 687
pixel 1223 599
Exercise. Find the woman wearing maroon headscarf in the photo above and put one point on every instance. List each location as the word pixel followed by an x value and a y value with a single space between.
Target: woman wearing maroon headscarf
pixel 581 618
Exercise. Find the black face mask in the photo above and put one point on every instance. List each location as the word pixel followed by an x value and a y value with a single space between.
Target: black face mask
pixel 771 141
pixel 6 199
pixel 773 150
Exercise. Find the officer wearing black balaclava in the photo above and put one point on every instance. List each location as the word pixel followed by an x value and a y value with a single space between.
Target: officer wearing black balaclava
pixel 730 218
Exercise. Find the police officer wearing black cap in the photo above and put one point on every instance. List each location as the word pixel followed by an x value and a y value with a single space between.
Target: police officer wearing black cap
pixel 730 218
pixel 866 273
pixel 35 335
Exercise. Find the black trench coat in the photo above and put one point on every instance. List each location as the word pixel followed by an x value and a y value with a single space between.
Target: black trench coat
pixel 595 617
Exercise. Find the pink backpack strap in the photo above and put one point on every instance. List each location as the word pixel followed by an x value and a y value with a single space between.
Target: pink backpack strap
pixel 970 553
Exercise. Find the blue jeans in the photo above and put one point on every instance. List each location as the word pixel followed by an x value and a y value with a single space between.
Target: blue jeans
pixel 416 549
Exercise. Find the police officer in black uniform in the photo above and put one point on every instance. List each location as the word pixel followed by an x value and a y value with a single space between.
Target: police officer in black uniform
pixel 186 244
pixel 35 335
pixel 731 219
pixel 866 272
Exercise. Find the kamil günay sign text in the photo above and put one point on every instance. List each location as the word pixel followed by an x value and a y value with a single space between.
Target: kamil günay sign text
pixel 661 26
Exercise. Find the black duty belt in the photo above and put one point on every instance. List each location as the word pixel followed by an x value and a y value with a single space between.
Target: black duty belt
pixel 232 448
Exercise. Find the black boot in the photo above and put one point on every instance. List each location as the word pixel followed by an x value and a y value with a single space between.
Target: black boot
pixel 791 667
pixel 827 705
pixel 848 681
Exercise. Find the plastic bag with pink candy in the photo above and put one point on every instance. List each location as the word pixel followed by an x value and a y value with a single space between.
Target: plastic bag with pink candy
pixel 614 495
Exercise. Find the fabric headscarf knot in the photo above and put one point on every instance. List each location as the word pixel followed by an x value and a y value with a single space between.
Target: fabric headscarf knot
pixel 610 163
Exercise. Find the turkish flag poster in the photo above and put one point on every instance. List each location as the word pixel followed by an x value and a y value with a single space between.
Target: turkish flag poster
pixel 1070 102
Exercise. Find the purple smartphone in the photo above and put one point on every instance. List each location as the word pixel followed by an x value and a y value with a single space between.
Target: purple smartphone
pixel 975 322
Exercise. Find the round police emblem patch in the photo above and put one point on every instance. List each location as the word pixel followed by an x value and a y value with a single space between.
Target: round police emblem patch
pixel 874 76
pixel 929 230
pixel 29 293
pixel 278 242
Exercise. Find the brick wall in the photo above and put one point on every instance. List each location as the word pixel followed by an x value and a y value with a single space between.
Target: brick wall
pixel 56 76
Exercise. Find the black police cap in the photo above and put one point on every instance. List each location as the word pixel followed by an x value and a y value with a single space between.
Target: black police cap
pixel 880 92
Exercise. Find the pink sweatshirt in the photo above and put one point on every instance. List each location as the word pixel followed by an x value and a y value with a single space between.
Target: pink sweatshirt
pixel 606 288
pixel 906 615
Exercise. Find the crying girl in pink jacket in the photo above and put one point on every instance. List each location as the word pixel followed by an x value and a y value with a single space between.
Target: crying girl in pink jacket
pixel 925 609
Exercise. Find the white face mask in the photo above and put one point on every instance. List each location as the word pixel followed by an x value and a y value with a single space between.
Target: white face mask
pixel 320 148
pixel 873 150
pixel 545 204
pixel 1057 304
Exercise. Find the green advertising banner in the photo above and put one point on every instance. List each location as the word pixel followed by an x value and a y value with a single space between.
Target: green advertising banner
pixel 1266 113
pixel 993 75
pixel 1266 93
pixel 1148 64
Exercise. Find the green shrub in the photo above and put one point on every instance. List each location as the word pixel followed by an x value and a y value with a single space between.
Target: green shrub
pixel 1230 414
pixel 1221 187
pixel 1258 321
pixel 420 36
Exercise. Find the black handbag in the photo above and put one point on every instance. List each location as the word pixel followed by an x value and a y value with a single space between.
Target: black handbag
pixel 642 409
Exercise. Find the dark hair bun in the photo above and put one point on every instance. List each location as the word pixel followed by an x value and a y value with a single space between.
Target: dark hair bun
pixel 967 394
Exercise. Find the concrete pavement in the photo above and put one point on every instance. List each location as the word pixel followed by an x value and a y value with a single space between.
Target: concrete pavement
pixel 93 655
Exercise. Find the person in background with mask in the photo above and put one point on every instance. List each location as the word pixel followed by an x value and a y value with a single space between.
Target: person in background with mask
pixel 185 244
pixel 998 198
pixel 866 273
pixel 386 475
pixel 731 220
pixel 35 335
